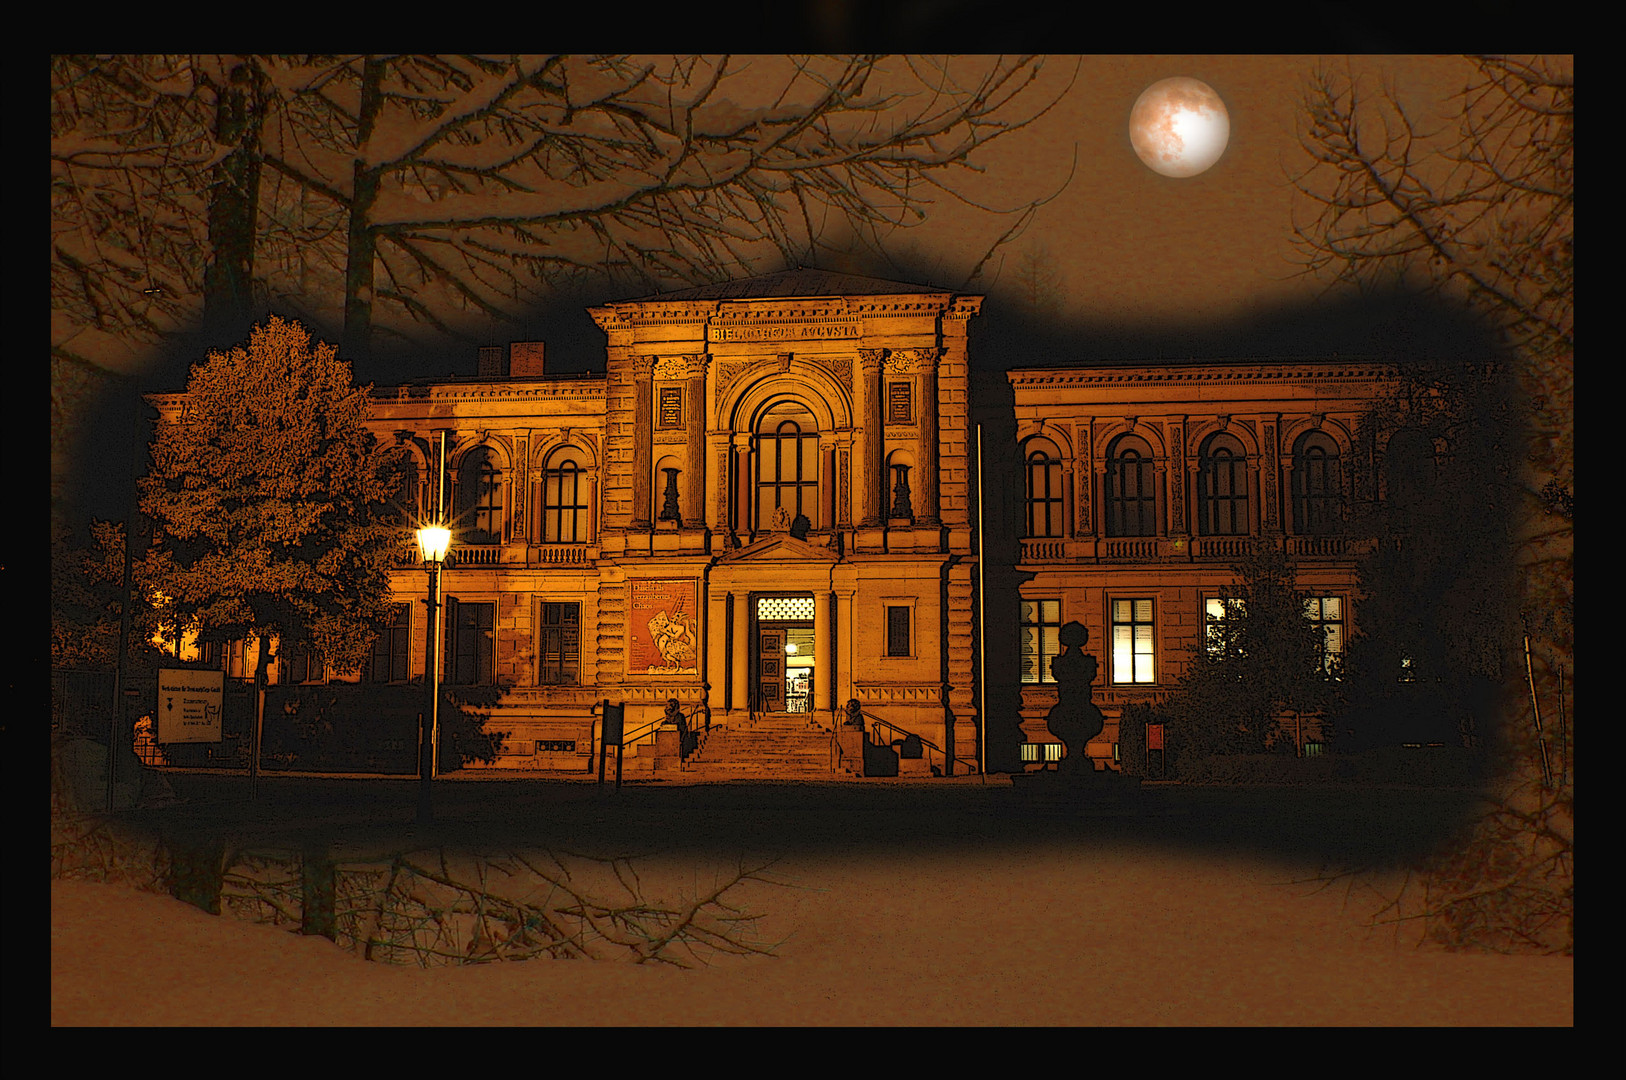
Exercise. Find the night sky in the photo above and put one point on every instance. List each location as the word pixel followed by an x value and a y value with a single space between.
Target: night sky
pixel 1144 266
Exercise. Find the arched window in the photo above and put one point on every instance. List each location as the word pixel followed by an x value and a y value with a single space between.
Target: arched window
pixel 479 491
pixel 1043 488
pixel 564 498
pixel 1131 495
pixel 787 465
pixel 1222 487
pixel 1317 490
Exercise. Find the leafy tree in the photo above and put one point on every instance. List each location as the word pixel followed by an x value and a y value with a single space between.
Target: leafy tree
pixel 1261 659
pixel 1439 613
pixel 271 498
pixel 86 596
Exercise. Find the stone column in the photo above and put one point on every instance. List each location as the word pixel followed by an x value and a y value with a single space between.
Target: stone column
pixel 930 483
pixel 742 485
pixel 1275 517
pixel 740 669
pixel 643 374
pixel 843 656
pixel 821 652
pixel 717 666
pixel 694 417
pixel 871 440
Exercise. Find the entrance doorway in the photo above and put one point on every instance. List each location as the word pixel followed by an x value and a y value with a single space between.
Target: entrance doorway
pixel 784 654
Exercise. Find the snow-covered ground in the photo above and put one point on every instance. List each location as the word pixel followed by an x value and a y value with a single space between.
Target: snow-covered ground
pixel 1126 936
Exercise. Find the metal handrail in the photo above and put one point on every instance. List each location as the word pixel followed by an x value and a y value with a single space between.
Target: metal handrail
pixel 923 740
pixel 596 731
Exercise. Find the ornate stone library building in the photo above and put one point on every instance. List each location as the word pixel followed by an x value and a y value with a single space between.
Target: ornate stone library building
pixel 766 507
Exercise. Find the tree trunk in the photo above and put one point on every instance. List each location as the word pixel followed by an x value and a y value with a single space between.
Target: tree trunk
pixel 195 869
pixel 318 880
pixel 261 668
pixel 233 203
pixel 358 273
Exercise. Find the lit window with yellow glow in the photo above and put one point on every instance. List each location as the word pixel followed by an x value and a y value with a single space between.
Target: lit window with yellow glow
pixel 1132 636
pixel 1040 627
pixel 1327 612
pixel 1215 610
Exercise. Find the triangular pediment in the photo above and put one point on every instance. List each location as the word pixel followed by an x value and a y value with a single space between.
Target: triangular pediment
pixel 780 547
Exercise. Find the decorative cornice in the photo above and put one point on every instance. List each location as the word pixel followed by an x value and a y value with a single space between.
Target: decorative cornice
pixel 681 366
pixel 911 361
pixel 484 392
pixel 964 307
pixel 1267 372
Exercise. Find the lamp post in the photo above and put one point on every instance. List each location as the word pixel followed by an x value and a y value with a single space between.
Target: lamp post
pixel 433 540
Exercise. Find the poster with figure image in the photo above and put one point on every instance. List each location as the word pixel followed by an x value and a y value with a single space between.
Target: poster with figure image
pixel 664 624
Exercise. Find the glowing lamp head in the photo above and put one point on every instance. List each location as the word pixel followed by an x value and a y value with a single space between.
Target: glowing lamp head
pixel 433 540
pixel 790 648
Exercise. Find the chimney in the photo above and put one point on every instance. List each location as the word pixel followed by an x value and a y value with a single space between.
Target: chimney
pixel 525 359
pixel 492 361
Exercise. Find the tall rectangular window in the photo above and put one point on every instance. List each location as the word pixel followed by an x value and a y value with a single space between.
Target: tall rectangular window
pixel 1327 612
pixel 1214 611
pixel 559 645
pixel 897 631
pixel 390 651
pixel 1040 627
pixel 470 643
pixel 1132 641
pixel 302 664
pixel 241 658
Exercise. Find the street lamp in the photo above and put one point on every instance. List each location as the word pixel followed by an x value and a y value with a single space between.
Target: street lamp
pixel 433 540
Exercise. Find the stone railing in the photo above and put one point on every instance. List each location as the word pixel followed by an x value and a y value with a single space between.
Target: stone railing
pixel 1220 547
pixel 1040 550
pixel 1129 549
pixel 559 554
pixel 476 554
pixel 1318 545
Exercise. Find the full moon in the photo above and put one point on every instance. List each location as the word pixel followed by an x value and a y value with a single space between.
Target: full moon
pixel 1179 126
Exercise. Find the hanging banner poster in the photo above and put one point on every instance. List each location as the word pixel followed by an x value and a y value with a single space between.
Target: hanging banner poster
pixel 663 618
pixel 189 705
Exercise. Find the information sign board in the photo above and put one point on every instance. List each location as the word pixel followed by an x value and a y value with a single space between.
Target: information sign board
pixel 189 703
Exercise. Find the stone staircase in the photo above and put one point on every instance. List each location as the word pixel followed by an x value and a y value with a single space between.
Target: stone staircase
pixel 785 746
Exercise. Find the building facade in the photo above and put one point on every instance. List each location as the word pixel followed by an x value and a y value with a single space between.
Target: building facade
pixel 766 506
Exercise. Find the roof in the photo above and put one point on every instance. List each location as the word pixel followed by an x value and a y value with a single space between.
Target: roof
pixel 802 281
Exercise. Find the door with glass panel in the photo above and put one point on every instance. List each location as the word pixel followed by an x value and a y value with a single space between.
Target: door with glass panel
pixel 784 654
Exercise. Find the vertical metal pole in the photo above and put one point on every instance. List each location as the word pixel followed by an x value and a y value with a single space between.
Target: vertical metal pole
pixel 426 726
pixel 1530 676
pixel 982 630
pixel 434 710
pixel 1563 733
pixel 434 705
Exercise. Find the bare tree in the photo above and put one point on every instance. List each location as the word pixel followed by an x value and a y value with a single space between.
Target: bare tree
pixel 1482 212
pixel 1037 283
pixel 418 193
pixel 474 184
